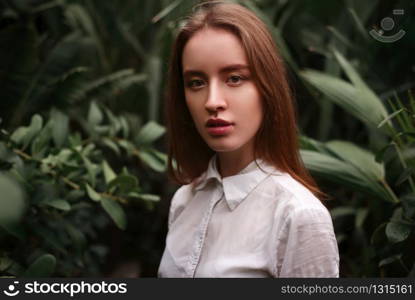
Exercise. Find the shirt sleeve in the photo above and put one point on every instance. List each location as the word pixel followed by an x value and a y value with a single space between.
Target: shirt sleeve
pixel 307 246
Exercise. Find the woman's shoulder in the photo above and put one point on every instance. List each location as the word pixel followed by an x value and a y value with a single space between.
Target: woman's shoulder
pixel 179 200
pixel 306 241
pixel 301 218
pixel 293 197
pixel 182 195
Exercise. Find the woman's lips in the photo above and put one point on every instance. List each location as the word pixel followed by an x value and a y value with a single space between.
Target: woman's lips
pixel 220 130
pixel 218 127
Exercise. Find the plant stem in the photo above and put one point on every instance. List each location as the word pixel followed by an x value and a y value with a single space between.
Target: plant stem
pixel 390 191
pixel 52 172
pixel 22 154
pixel 115 198
pixel 71 183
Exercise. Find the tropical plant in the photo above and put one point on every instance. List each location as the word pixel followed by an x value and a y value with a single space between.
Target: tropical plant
pixel 60 191
pixel 94 70
pixel 63 74
pixel 67 49
pixel 385 198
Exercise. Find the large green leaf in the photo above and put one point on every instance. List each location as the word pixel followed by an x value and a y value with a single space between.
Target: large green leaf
pixel 116 212
pixel 361 103
pixel 308 143
pixel 24 135
pixel 93 195
pixel 358 157
pixel 60 204
pixel 341 172
pixel 111 144
pixel 149 133
pixel 125 183
pixel 350 71
pixel 153 160
pixel 398 231
pixel 108 172
pixel 12 201
pixel 43 266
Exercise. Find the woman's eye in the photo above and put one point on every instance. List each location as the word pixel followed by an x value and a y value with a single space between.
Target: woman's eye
pixel 235 79
pixel 196 83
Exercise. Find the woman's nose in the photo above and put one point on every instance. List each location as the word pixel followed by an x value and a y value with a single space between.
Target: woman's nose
pixel 216 97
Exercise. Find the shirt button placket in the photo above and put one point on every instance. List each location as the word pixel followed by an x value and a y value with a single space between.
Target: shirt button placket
pixel 197 249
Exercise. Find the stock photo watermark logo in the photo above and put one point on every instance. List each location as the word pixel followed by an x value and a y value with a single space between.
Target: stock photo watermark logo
pixel 11 290
pixel 387 24
pixel 71 289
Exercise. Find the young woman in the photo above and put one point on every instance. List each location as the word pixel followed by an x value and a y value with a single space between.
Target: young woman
pixel 247 207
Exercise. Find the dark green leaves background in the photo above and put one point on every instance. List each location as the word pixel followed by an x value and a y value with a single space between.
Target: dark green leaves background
pixel 82 152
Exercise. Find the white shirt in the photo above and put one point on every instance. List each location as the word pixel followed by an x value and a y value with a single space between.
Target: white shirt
pixel 252 224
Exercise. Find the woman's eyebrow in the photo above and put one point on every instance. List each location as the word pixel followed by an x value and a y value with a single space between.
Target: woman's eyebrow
pixel 226 69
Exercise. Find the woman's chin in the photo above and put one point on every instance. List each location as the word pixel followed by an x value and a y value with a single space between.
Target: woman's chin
pixel 222 147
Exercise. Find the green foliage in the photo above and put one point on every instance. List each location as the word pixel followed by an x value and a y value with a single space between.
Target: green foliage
pixel 83 77
pixel 43 266
pixel 86 80
pixel 356 98
pixel 392 234
pixel 60 191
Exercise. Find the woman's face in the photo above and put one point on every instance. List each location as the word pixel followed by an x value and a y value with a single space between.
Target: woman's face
pixel 223 100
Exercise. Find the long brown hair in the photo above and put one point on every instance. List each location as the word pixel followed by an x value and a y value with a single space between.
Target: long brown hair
pixel 277 139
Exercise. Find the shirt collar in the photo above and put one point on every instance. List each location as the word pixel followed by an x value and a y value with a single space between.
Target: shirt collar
pixel 237 187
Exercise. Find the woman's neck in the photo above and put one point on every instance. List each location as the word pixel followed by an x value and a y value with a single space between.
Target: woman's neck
pixel 231 163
